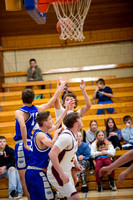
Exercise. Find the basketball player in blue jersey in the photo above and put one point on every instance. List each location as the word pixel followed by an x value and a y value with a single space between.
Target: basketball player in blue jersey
pixel 35 176
pixel 25 119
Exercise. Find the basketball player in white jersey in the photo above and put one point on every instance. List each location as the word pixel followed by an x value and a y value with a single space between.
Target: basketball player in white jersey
pixel 62 157
pixel 71 96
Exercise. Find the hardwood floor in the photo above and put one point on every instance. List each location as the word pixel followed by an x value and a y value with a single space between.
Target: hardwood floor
pixel 120 194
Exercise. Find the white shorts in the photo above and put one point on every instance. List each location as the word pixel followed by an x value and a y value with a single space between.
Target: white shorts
pixel 67 190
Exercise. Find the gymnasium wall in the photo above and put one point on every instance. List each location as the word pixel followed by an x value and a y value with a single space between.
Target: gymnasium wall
pixel 63 57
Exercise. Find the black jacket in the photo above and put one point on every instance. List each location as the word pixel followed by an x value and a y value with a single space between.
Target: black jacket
pixel 7 157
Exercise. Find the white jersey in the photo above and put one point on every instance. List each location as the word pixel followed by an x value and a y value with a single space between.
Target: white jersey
pixel 61 110
pixel 68 144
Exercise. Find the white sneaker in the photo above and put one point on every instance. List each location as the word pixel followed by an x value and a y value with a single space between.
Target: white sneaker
pixel 20 195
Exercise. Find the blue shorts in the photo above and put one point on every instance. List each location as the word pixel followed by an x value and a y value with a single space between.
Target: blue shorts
pixel 22 156
pixel 38 185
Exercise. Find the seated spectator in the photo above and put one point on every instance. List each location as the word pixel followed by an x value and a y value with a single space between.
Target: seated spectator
pixel 104 95
pixel 7 169
pixel 101 155
pixel 127 132
pixel 34 72
pixel 113 134
pixel 83 156
pixel 90 134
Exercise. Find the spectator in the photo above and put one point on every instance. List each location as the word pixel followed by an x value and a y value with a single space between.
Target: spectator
pixel 83 156
pixel 113 134
pixel 34 72
pixel 96 154
pixel 90 134
pixel 7 169
pixel 127 132
pixel 104 95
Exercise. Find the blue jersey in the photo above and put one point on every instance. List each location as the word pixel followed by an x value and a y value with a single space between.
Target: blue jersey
pixel 30 122
pixel 39 157
pixel 101 97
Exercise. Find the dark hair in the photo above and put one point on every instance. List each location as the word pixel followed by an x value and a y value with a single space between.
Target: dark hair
pixel 2 137
pixel 93 121
pixel 70 94
pixel 107 127
pixel 101 81
pixel 100 143
pixel 42 116
pixel 126 118
pixel 70 119
pixel 28 96
pixel 32 59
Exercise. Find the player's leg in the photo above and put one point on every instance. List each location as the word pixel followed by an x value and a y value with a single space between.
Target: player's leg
pixel 99 164
pixel 107 161
pixel 22 179
pixel 21 158
pixel 100 111
pixel 74 197
pixel 38 185
pixel 85 165
pixel 65 190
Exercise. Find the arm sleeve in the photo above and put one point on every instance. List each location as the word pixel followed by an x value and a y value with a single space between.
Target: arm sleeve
pixel 29 74
pixel 87 152
pixel 94 152
pixel 119 134
pixel 39 74
pixel 106 135
pixel 110 90
pixel 125 134
pixel 11 159
pixel 111 150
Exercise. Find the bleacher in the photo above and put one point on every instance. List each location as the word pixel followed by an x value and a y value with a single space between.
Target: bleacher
pixel 122 103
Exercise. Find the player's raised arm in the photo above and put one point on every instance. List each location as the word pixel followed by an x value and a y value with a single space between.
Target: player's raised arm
pixel 59 90
pixel 47 141
pixel 87 105
pixel 19 115
pixel 57 103
pixel 61 117
pixel 128 156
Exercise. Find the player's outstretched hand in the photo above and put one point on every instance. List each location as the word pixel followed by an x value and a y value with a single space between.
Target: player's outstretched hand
pixel 60 87
pixel 82 84
pixel 104 171
pixel 62 80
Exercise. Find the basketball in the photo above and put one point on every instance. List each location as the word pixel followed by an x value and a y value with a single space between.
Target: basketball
pixel 66 25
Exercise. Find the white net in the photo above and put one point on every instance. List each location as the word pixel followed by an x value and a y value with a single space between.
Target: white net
pixel 71 18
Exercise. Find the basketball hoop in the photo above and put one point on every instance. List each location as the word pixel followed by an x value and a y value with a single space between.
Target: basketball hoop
pixel 71 15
